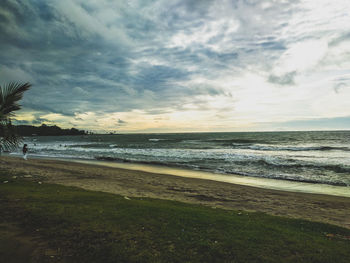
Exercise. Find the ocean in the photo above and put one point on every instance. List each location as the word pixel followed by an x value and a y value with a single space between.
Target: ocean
pixel 319 157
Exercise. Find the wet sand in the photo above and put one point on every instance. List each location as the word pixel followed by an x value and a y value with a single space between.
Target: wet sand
pixel 135 183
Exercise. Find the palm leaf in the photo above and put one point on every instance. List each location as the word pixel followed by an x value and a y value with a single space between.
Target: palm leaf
pixel 8 138
pixel 10 94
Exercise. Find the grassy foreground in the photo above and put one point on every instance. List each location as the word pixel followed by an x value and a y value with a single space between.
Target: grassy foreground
pixel 53 223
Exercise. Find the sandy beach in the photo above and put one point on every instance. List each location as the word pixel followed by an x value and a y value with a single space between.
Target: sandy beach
pixel 132 183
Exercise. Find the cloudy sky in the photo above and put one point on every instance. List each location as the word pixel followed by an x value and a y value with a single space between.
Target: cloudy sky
pixel 180 65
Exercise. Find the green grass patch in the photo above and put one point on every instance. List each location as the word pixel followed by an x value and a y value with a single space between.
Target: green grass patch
pixel 87 226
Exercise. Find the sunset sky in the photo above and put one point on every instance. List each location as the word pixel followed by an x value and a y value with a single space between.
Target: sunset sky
pixel 180 65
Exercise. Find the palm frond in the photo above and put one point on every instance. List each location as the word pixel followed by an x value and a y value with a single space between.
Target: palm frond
pixel 10 94
pixel 8 138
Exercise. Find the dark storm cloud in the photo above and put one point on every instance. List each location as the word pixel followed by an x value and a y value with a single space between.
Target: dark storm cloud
pixel 343 37
pixel 40 121
pixel 56 53
pixel 36 121
pixel 60 55
pixel 285 79
pixel 341 85
pixel 22 122
pixel 121 121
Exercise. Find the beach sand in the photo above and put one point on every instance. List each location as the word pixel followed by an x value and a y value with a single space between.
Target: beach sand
pixel 132 183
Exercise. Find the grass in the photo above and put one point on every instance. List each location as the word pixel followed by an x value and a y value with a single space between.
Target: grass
pixel 87 226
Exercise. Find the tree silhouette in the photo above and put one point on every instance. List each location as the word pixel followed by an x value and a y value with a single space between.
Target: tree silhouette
pixel 10 95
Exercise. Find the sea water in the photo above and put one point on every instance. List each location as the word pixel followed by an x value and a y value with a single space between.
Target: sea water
pixel 319 157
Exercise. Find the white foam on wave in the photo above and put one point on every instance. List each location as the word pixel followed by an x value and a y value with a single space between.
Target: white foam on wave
pixel 229 160
pixel 156 140
pixel 296 148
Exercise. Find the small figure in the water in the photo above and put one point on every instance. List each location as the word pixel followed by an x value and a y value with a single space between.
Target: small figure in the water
pixel 25 151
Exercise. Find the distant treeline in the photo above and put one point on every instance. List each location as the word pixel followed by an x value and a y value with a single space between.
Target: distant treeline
pixel 45 130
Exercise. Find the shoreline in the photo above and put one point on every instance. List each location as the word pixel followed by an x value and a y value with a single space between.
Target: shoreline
pixel 259 182
pixel 136 183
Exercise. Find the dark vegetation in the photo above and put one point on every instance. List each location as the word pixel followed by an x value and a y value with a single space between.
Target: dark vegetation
pixel 45 130
pixel 42 222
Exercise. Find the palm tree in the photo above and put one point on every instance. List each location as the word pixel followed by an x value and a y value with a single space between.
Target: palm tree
pixel 10 94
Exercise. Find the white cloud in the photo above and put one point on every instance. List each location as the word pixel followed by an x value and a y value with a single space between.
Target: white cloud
pixel 302 56
pixel 221 29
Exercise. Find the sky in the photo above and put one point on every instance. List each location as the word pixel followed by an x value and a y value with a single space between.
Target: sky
pixel 180 65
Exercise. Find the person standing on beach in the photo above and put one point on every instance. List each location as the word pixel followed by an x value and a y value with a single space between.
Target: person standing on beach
pixel 25 151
